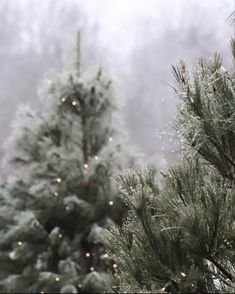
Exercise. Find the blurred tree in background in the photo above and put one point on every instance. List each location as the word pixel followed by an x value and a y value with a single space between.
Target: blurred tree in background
pixel 62 194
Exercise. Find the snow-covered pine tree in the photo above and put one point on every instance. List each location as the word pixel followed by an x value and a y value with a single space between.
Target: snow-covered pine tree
pixel 180 234
pixel 63 193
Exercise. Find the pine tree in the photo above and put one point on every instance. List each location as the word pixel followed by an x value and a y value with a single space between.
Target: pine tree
pixel 63 192
pixel 179 235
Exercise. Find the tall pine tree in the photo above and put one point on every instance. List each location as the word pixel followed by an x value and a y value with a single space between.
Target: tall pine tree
pixel 63 192
pixel 180 234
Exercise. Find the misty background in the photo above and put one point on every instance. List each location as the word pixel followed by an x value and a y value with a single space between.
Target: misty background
pixel 137 41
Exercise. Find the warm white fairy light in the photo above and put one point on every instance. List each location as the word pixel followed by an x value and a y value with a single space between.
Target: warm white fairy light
pixel 56 194
pixel 85 165
pixel 115 265
pixel 183 274
pixel 88 254
pixel 92 268
pixel 58 180
pixel 74 103
pixel 106 255
pixel 20 243
pixel 96 157
pixel 110 203
pixel 67 208
pixel 79 285
pixel 60 236
pixel 57 279
pixel 63 99
pixel 42 292
pixel 110 139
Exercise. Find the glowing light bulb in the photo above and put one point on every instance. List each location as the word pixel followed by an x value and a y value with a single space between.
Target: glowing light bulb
pixel 20 243
pixel 42 292
pixel 63 99
pixel 67 208
pixel 110 203
pixel 57 279
pixel 58 180
pixel 56 194
pixel 88 254
pixel 74 103
pixel 183 274
pixel 110 139
pixel 60 236
pixel 92 268
pixel 106 255
pixel 85 165
pixel 79 285
pixel 114 265
pixel 96 157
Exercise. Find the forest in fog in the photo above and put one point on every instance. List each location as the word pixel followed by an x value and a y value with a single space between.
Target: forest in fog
pixel 136 41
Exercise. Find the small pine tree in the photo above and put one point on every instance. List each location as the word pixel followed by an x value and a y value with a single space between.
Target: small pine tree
pixel 179 236
pixel 63 193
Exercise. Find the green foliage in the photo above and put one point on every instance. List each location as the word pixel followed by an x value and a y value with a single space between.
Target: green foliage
pixel 179 234
pixel 63 194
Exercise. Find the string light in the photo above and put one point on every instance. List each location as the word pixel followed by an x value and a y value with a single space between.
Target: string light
pixel 85 165
pixel 60 236
pixel 92 268
pixel 183 274
pixel 79 285
pixel 67 208
pixel 110 139
pixel 63 99
pixel 114 265
pixel 20 243
pixel 56 194
pixel 42 292
pixel 110 203
pixel 96 157
pixel 74 103
pixel 57 279
pixel 88 254
pixel 106 255
pixel 58 180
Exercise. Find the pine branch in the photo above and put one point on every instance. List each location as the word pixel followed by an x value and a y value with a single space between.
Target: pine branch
pixel 221 268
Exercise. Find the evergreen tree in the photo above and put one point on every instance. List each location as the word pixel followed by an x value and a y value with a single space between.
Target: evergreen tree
pixel 63 193
pixel 180 234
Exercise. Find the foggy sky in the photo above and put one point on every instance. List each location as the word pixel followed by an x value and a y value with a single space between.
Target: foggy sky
pixel 136 40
